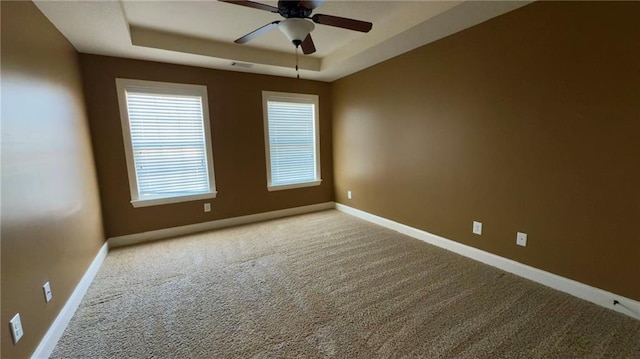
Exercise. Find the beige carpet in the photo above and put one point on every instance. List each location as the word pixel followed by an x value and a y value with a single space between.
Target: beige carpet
pixel 328 285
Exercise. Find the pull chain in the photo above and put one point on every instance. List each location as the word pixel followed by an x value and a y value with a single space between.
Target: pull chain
pixel 297 69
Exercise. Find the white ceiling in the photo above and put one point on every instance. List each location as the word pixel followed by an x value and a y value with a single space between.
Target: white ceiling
pixel 201 33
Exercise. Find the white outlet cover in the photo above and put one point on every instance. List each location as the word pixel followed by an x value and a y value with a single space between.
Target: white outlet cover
pixel 349 194
pixel 477 228
pixel 521 239
pixel 207 207
pixel 16 328
pixel 47 292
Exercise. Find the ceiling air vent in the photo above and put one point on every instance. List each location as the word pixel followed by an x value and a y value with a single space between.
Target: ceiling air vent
pixel 242 64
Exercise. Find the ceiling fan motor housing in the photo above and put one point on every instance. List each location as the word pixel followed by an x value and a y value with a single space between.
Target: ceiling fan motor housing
pixel 293 9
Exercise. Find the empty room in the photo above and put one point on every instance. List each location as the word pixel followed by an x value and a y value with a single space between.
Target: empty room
pixel 320 179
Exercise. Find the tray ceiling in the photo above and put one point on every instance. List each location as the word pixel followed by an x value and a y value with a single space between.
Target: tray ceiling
pixel 201 33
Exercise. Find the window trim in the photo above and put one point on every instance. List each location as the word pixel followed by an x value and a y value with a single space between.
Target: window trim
pixel 165 88
pixel 292 98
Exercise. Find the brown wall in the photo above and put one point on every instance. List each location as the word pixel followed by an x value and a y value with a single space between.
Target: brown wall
pixel 235 106
pixel 529 122
pixel 51 224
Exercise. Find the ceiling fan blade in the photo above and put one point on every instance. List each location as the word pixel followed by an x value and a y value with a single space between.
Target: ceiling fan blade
pixel 342 22
pixel 252 4
pixel 257 32
pixel 307 45
pixel 311 4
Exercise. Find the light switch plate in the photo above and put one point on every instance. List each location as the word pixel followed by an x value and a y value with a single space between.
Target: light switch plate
pixel 47 292
pixel 477 228
pixel 207 207
pixel 16 328
pixel 521 239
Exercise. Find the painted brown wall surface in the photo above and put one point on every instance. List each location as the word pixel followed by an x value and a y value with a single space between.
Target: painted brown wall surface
pixel 529 122
pixel 51 222
pixel 235 107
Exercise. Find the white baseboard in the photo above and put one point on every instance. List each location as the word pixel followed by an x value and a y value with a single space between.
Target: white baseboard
pixel 220 223
pixel 595 295
pixel 598 296
pixel 50 339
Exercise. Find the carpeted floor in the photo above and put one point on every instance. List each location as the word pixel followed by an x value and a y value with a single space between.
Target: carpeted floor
pixel 328 285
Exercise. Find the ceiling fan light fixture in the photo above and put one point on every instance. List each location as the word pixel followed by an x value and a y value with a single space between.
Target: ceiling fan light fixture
pixel 296 29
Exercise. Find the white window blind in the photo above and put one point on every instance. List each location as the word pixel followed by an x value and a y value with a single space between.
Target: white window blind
pixel 168 144
pixel 292 142
pixel 167 138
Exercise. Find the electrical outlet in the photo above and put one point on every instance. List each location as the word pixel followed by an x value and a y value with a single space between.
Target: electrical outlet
pixel 349 194
pixel 521 239
pixel 16 328
pixel 47 292
pixel 477 228
pixel 207 207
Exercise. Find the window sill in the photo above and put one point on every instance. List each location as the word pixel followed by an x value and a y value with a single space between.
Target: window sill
pixel 293 185
pixel 168 200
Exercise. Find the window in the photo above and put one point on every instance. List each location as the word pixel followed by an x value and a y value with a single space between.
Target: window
pixel 167 140
pixel 291 140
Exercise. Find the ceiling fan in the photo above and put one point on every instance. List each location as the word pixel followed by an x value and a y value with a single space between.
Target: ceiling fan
pixel 296 25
